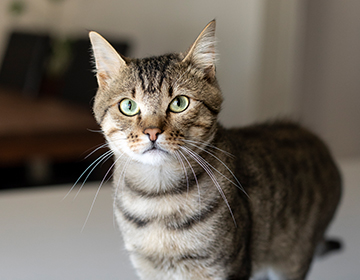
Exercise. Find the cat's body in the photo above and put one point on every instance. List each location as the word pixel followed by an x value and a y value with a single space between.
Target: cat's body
pixel 178 198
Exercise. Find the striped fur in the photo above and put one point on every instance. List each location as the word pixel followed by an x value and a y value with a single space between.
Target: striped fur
pixel 178 199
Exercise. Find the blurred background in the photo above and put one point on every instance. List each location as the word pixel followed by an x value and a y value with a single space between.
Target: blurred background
pixel 297 59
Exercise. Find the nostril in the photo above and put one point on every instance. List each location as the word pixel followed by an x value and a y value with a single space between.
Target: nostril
pixel 152 133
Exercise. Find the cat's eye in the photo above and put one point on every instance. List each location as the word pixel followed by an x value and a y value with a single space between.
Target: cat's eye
pixel 179 104
pixel 129 107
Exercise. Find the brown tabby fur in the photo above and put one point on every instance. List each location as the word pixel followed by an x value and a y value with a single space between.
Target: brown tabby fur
pixel 178 200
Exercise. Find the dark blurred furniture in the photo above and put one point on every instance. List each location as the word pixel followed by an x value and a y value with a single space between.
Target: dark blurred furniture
pixel 45 128
pixel 45 141
pixel 23 65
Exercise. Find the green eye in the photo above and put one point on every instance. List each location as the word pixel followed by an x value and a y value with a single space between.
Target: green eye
pixel 129 107
pixel 179 104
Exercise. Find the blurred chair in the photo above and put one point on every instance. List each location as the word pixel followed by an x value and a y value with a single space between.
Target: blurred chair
pixel 23 65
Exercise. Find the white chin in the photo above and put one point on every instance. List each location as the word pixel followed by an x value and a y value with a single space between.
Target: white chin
pixel 153 157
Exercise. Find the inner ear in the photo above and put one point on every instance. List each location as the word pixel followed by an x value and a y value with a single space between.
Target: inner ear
pixel 107 61
pixel 202 52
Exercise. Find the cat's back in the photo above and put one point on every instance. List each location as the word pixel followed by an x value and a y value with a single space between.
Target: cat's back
pixel 278 133
pixel 280 146
pixel 284 153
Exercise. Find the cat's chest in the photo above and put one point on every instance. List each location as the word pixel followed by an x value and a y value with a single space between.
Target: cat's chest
pixel 157 211
pixel 147 193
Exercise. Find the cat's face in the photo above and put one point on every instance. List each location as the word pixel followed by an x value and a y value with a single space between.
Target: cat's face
pixel 154 109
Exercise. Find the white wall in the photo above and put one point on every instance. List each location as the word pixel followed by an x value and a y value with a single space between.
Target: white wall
pixel 330 99
pixel 280 59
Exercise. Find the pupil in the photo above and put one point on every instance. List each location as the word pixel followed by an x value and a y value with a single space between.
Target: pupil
pixel 129 105
pixel 178 102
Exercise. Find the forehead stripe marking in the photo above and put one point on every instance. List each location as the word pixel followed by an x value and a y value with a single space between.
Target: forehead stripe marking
pixel 152 70
pixel 141 76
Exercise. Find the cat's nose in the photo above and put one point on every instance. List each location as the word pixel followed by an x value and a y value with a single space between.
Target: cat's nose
pixel 152 133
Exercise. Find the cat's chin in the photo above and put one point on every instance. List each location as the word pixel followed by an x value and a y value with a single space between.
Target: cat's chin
pixel 156 157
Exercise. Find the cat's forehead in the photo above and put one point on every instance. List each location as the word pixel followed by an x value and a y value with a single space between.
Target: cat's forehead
pixel 151 73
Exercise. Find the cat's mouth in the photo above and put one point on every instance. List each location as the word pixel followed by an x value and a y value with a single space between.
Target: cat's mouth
pixel 154 149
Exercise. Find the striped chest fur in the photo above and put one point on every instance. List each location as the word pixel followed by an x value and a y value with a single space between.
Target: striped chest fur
pixel 170 218
pixel 177 194
pixel 169 208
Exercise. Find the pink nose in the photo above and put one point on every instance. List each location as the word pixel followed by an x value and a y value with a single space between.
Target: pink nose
pixel 153 133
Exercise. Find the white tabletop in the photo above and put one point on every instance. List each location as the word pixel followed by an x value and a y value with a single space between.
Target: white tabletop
pixel 41 237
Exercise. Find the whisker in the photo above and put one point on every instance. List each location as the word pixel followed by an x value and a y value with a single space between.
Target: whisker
pixel 95 150
pixel 228 169
pixel 105 158
pixel 91 207
pixel 95 130
pixel 183 167
pixel 97 193
pixel 123 171
pixel 109 178
pixel 96 162
pixel 220 172
pixel 210 146
pixel 205 166
pixel 196 180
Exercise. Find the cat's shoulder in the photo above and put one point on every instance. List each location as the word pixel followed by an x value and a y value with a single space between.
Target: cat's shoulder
pixel 269 127
pixel 276 131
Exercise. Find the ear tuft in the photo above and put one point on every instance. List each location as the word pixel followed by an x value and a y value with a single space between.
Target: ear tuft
pixel 107 61
pixel 203 51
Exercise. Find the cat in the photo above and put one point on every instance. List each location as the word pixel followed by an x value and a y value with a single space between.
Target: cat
pixel 195 200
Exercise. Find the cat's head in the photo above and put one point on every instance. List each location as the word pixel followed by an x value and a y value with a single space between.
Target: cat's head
pixel 152 109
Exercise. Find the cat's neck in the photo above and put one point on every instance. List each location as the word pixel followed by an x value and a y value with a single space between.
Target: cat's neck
pixel 149 178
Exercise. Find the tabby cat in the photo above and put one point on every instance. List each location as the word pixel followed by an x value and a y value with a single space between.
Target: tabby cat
pixel 195 200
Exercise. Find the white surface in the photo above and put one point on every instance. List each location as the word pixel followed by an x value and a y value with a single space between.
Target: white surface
pixel 41 238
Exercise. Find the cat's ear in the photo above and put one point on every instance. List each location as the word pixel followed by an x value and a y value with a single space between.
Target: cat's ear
pixel 107 60
pixel 202 52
